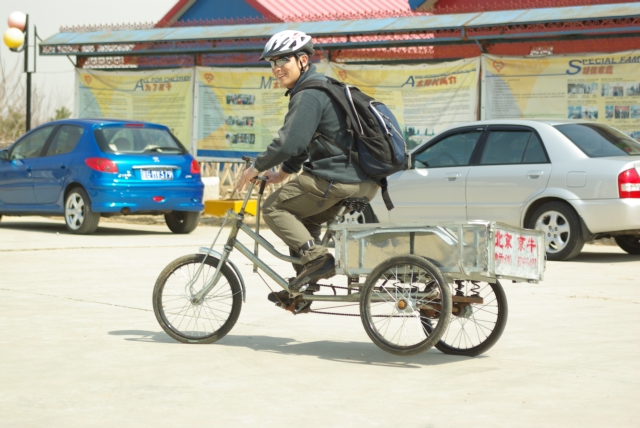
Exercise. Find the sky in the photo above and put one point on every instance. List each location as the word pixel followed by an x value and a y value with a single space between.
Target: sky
pixel 55 75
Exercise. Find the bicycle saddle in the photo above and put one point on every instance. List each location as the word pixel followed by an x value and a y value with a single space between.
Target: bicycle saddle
pixel 355 204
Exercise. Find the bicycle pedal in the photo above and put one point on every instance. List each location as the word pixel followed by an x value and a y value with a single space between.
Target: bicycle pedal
pixel 304 307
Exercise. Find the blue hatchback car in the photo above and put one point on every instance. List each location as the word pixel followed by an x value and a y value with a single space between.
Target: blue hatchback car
pixel 83 169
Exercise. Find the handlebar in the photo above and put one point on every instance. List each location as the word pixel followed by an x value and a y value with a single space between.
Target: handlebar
pixel 248 160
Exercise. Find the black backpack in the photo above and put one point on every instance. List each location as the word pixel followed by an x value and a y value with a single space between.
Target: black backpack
pixel 380 149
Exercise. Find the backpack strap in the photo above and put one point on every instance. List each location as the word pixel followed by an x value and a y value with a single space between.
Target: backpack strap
pixel 337 95
pixel 385 193
pixel 341 93
pixel 329 144
pixel 341 99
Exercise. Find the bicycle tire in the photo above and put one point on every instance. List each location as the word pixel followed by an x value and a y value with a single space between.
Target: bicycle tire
pixel 488 321
pixel 397 308
pixel 207 322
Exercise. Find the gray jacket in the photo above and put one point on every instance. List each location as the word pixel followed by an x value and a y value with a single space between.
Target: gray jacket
pixel 314 131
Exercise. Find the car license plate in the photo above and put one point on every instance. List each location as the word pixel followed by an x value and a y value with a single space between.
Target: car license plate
pixel 157 174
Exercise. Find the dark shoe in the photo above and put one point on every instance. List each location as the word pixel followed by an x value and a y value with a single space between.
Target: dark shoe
pixel 313 285
pixel 280 297
pixel 324 267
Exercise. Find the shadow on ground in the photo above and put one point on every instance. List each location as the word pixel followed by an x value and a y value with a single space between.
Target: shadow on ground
pixel 344 352
pixel 604 257
pixel 53 228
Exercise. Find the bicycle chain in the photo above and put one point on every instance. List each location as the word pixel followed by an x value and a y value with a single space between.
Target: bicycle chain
pixel 345 315
pixel 333 313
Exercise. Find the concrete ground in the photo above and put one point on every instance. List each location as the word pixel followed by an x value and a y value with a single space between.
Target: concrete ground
pixel 80 347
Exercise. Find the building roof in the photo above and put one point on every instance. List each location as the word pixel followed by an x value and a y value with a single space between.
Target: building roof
pixel 600 28
pixel 422 24
pixel 280 10
pixel 288 10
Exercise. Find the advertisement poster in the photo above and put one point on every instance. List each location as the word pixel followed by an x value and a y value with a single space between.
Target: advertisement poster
pixel 424 98
pixel 599 87
pixel 238 111
pixel 159 96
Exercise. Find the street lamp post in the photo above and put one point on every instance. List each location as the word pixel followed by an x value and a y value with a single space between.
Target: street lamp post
pixel 17 40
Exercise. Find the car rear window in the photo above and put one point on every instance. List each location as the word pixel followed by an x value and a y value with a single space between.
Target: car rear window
pixel 598 141
pixel 138 141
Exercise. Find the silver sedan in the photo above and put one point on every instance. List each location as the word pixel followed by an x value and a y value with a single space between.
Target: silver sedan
pixel 576 181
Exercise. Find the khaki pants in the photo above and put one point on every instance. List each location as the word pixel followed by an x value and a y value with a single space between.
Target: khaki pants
pixel 296 211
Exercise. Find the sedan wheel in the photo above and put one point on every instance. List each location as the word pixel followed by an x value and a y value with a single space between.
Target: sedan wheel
pixel 77 213
pixel 562 231
pixel 354 217
pixel 365 217
pixel 182 221
pixel 629 243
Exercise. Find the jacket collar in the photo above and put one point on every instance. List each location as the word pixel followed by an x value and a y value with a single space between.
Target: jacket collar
pixel 307 74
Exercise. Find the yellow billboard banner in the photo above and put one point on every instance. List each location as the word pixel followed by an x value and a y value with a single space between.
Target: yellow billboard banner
pixel 159 96
pixel 599 87
pixel 238 110
pixel 424 98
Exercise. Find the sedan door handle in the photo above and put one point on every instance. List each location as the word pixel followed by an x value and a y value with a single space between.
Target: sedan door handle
pixel 63 166
pixel 534 174
pixel 452 176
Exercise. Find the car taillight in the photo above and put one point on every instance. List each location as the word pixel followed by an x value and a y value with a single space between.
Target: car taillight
pixel 102 165
pixel 629 184
pixel 195 167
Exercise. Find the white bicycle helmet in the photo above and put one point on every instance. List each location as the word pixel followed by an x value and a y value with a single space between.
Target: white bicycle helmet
pixel 287 42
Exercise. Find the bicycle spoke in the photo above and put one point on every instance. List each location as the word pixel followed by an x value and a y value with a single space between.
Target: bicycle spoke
pixel 475 324
pixel 201 319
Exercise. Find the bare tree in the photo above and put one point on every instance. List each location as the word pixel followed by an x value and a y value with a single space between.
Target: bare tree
pixel 13 105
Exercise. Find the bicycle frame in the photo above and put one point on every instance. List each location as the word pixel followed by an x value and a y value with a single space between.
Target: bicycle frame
pixel 232 243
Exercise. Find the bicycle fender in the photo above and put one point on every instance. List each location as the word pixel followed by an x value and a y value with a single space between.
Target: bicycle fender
pixel 205 250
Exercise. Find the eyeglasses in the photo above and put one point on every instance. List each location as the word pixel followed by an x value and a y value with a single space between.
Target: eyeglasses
pixel 279 62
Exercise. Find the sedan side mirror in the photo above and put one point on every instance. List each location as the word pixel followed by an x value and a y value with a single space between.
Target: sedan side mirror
pixel 4 155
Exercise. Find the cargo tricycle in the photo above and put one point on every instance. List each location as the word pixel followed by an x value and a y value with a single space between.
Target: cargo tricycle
pixel 414 286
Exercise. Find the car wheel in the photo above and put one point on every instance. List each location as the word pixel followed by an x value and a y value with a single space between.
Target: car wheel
pixel 182 221
pixel 562 232
pixel 77 213
pixel 629 243
pixel 365 217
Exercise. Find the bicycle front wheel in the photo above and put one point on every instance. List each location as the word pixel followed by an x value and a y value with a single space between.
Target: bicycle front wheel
pixel 196 322
pixel 405 305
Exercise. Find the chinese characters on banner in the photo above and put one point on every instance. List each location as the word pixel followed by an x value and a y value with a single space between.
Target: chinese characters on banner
pixel 425 98
pixel 235 111
pixel 600 87
pixel 517 254
pixel 160 96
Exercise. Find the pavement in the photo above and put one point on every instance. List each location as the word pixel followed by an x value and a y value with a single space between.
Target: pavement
pixel 80 347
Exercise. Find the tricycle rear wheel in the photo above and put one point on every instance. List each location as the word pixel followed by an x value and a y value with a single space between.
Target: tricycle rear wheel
pixel 475 328
pixel 405 305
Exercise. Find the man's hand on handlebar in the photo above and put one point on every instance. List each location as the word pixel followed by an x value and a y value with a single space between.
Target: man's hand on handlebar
pixel 248 175
pixel 275 177
pixel 272 177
